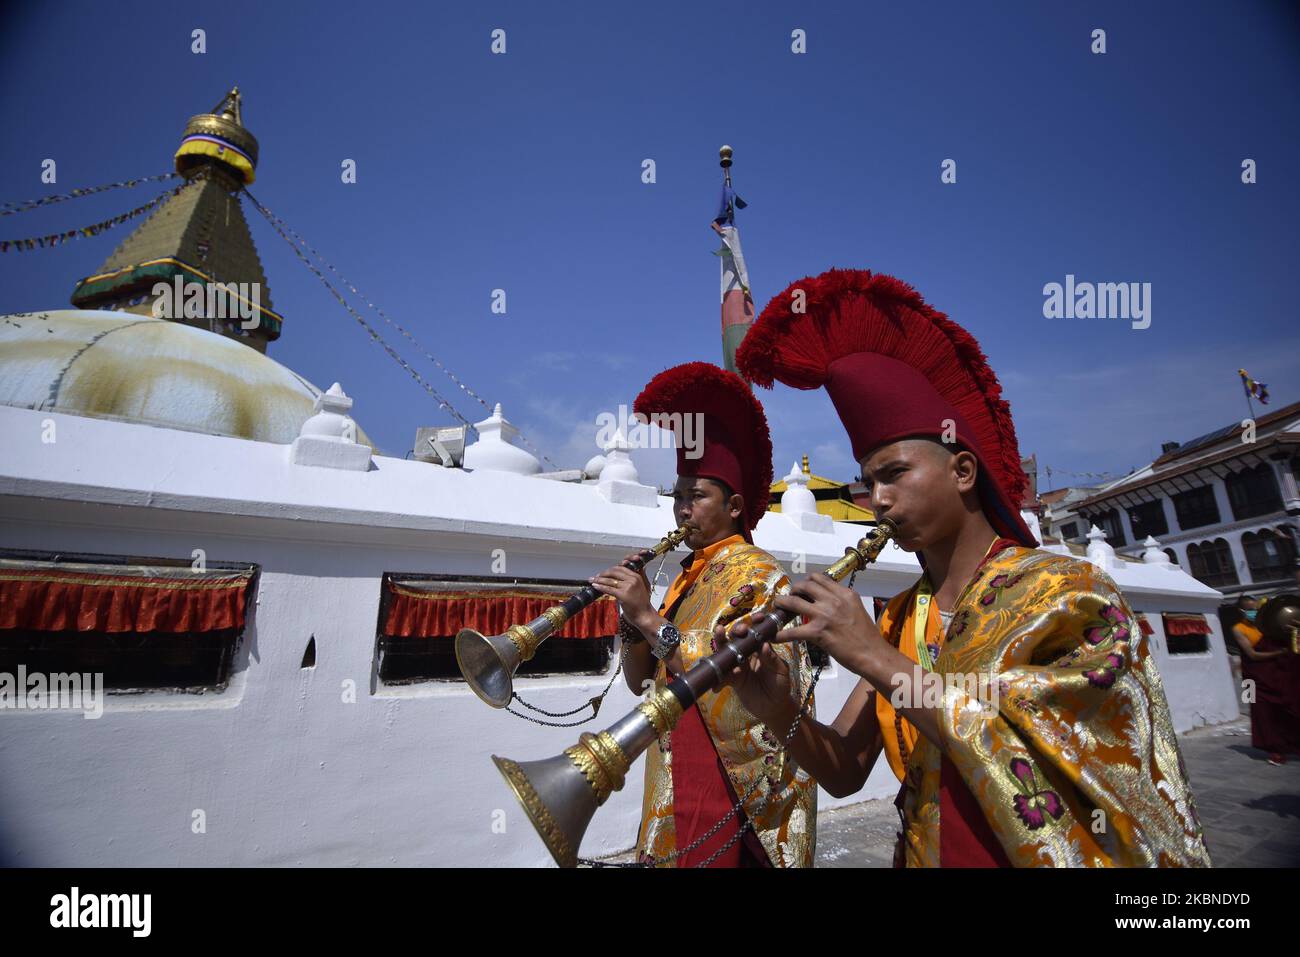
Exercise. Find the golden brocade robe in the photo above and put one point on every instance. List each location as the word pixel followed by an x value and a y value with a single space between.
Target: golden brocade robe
pixel 1073 760
pixel 736 578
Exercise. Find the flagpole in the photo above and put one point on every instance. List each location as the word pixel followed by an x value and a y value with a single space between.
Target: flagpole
pixel 1246 389
pixel 737 311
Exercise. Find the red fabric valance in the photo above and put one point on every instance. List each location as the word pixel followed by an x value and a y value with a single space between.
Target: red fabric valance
pixel 1185 624
pixel 429 613
pixel 1144 624
pixel 53 596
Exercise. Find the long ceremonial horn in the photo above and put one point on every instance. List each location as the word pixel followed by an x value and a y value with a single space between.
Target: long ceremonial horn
pixel 561 794
pixel 488 662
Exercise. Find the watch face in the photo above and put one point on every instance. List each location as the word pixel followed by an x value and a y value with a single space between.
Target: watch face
pixel 666 640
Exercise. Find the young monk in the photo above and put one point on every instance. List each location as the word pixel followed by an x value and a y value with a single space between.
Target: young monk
pixel 718 753
pixel 1047 739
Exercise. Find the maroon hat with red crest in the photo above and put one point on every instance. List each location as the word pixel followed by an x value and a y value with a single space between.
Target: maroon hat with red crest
pixel 895 368
pixel 735 446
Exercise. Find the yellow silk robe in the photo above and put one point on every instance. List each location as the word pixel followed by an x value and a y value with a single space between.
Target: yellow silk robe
pixel 1078 765
pixel 730 579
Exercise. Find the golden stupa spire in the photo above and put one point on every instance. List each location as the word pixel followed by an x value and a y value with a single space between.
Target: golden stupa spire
pixel 198 235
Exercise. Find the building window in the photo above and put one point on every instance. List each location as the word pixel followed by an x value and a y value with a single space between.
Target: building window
pixel 420 616
pixel 1186 634
pixel 1068 531
pixel 1196 508
pixel 145 625
pixel 1148 519
pixel 1211 563
pixel 1109 523
pixel 1253 492
pixel 1269 554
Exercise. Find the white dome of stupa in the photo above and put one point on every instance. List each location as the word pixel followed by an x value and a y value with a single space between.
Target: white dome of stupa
pixel 129 367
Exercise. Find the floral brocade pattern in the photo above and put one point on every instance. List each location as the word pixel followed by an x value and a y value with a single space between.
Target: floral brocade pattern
pixel 783 807
pixel 1079 765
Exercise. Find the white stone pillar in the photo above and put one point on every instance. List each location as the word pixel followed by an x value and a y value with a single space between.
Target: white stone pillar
pixel 1221 497
pixel 1126 526
pixel 1233 539
pixel 1287 484
pixel 1171 517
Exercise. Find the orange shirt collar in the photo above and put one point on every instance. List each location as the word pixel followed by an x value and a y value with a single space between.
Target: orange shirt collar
pixel 693 566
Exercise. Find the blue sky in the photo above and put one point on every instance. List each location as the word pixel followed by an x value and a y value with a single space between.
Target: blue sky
pixel 523 172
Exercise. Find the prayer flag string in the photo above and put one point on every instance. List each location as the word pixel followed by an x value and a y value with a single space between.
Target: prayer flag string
pixel 374 333
pixel 8 209
pixel 58 239
pixel 286 231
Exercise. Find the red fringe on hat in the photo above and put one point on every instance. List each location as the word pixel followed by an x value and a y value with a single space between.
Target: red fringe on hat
pixel 798 348
pixel 679 388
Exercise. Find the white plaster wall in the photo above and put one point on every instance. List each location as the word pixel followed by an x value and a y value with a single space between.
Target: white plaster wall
pixel 286 772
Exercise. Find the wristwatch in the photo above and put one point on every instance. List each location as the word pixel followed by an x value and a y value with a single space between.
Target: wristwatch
pixel 667 638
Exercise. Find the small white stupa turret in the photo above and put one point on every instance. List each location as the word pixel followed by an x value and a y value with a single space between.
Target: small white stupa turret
pixel 1154 554
pixel 800 505
pixel 1100 552
pixel 328 439
pixel 494 452
pixel 619 480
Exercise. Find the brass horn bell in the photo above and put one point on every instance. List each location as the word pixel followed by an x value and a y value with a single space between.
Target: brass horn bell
pixel 488 662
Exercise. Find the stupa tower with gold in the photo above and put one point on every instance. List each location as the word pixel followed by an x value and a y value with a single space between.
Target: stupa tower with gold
pixel 199 234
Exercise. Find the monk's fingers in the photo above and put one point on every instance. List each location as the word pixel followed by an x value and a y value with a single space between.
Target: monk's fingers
pixel 815 587
pixel 795 604
pixel 800 632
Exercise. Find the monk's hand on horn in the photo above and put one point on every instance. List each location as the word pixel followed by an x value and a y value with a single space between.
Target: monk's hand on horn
pixel 633 594
pixel 645 555
pixel 833 618
pixel 761 681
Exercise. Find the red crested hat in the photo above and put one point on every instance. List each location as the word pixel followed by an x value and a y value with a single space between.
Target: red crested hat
pixel 894 368
pixel 736 446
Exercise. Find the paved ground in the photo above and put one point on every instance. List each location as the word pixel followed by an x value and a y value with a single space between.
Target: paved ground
pixel 1250 809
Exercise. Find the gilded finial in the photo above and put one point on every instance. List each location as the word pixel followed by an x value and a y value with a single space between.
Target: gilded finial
pixel 805 466
pixel 219 136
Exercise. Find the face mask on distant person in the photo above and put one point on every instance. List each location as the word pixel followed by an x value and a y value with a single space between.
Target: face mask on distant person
pixel 1250 615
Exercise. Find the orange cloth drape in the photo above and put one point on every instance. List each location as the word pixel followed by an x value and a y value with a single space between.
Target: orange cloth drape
pixel 1144 624
pixel 43 596
pixel 1185 624
pixel 429 613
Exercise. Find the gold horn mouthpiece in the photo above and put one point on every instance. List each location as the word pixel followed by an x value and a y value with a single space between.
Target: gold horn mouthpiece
pixel 561 794
pixel 488 662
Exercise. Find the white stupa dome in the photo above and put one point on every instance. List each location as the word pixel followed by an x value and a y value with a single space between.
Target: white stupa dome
pixel 119 365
